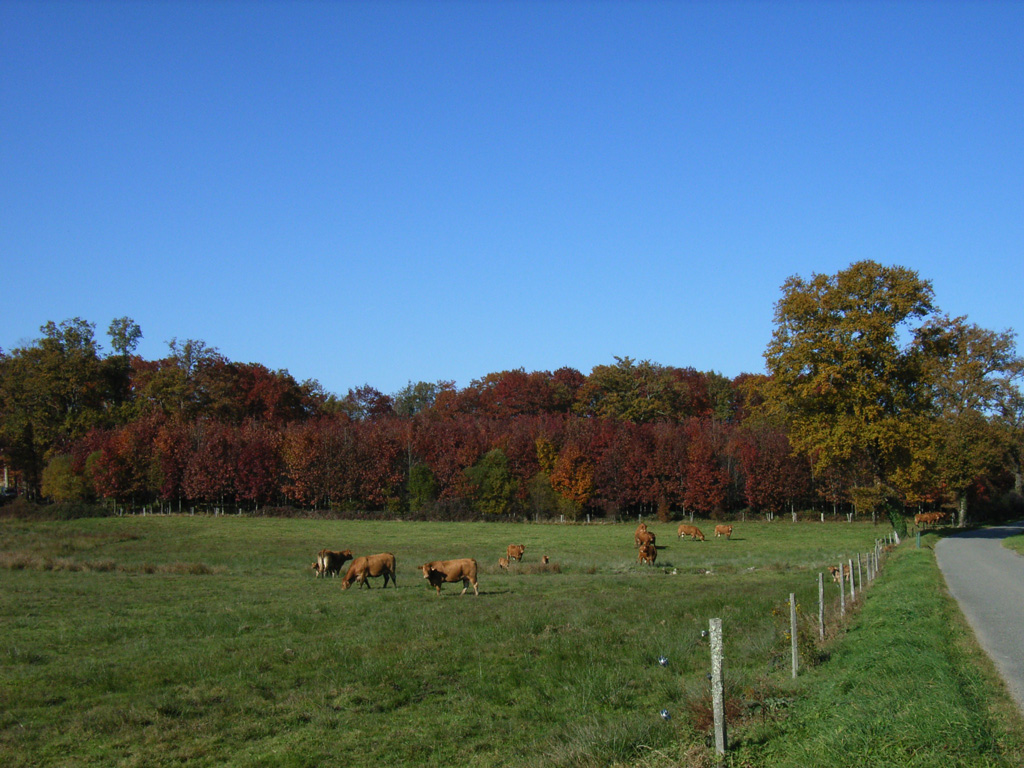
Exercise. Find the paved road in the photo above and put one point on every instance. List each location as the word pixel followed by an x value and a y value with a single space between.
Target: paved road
pixel 987 579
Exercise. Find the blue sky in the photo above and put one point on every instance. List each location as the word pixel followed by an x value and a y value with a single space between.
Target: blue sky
pixel 385 192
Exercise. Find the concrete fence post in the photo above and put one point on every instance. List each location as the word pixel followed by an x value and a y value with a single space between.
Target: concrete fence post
pixel 860 575
pixel 718 686
pixel 853 591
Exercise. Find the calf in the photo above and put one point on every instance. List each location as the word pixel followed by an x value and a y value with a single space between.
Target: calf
pixel 690 530
pixel 647 554
pixel 544 559
pixel 440 571
pixel 515 552
pixel 503 563
pixel 723 530
pixel 371 566
pixel 835 573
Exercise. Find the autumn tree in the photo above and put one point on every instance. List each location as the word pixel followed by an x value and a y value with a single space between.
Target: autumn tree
pixel 572 479
pixel 841 372
pixel 707 482
pixel 971 372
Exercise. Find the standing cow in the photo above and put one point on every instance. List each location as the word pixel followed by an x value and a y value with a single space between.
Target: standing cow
pixel 515 552
pixel 723 530
pixel 329 562
pixel 439 572
pixel 647 554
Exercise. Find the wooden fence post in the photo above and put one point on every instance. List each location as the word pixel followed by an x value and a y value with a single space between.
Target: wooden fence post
pixel 792 633
pixel 853 591
pixel 842 591
pixel 718 686
pixel 821 606
pixel 860 575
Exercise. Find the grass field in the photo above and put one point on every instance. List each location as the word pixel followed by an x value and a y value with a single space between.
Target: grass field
pixel 163 641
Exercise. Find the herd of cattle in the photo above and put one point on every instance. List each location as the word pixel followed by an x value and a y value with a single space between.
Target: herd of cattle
pixel 644 540
pixel 437 572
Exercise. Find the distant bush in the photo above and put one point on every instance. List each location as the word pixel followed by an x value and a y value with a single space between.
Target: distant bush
pixel 23 509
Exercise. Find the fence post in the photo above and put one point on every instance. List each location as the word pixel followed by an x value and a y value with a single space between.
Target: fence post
pixel 853 591
pixel 792 633
pixel 860 575
pixel 821 606
pixel 842 591
pixel 718 686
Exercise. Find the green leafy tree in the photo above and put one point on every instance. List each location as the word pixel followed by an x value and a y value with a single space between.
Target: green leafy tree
pixel 52 392
pixel 494 486
pixel 421 487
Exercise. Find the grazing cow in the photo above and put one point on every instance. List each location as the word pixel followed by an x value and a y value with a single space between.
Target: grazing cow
pixel 515 552
pixel 647 537
pixel 503 563
pixel 835 572
pixel 647 554
pixel 371 566
pixel 642 528
pixel 441 571
pixel 723 530
pixel 690 530
pixel 544 559
pixel 329 562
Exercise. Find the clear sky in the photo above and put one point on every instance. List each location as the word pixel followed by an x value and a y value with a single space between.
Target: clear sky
pixel 385 192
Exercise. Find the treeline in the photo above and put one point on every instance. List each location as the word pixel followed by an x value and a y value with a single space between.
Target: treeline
pixel 849 418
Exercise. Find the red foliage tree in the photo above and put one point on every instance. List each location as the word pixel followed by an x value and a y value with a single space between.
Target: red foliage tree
pixel 774 475
pixel 210 472
pixel 706 480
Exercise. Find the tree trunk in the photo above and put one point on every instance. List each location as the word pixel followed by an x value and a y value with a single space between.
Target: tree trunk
pixel 961 512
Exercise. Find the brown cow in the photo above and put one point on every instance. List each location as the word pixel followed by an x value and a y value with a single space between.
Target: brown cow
pixel 515 552
pixel 647 537
pixel 371 566
pixel 835 572
pixel 329 562
pixel 930 518
pixel 690 530
pixel 647 554
pixel 642 528
pixel 544 559
pixel 723 530
pixel 440 571
pixel 503 563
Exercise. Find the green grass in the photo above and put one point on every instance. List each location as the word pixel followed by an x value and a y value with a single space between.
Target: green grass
pixel 906 686
pixel 1016 543
pixel 165 641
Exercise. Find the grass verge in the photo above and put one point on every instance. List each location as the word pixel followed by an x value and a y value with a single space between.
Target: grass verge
pixel 906 686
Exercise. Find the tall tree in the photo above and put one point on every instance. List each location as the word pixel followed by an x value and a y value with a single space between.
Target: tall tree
pixel 52 393
pixel 972 373
pixel 841 373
